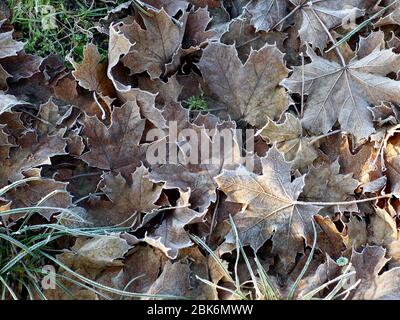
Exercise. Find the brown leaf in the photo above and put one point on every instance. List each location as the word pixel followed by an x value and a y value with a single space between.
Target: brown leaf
pixel 90 73
pixel 128 200
pixel 171 235
pixel 325 184
pixel 382 228
pixel 289 140
pixel 155 46
pixel 31 151
pixel 97 253
pixel 330 240
pixel 248 92
pixel 392 162
pixel 167 92
pixel 172 7
pixel 270 206
pixel 195 169
pixel 115 147
pixel 178 279
pixel 22 65
pixel 7 101
pixel 265 14
pixel 8 46
pixel 245 37
pixel 46 192
pixel 374 286
pixel 344 93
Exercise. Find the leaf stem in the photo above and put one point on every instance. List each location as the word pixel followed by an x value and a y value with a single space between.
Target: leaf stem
pixel 340 203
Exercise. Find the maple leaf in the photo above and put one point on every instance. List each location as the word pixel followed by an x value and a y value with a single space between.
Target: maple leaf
pixel 248 92
pixel 330 240
pixel 7 101
pixel 128 201
pixel 197 175
pixel 167 92
pixel 119 45
pixel 325 184
pixel 115 147
pixel 21 66
pixel 374 285
pixel 48 192
pixel 392 162
pixel 146 102
pixel 311 18
pixel 344 93
pixel 392 14
pixel 30 151
pixel 265 14
pixel 155 46
pixel 195 28
pixel 289 140
pixel 171 236
pixel 96 253
pixel 245 37
pixel 177 279
pixel 270 206
pixel 9 46
pixel 90 73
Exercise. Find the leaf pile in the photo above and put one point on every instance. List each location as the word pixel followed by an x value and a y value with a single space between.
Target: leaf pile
pixel 327 146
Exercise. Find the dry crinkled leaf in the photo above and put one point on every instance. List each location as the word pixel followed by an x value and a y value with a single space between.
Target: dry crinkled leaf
pixel 22 65
pixel 119 45
pixel 245 37
pixel 357 232
pixel 115 147
pixel 374 286
pixel 270 204
pixel 146 102
pixel 195 29
pixel 7 101
pixel 46 192
pixel 144 263
pixel 344 93
pixel 382 228
pixel 171 235
pixel 179 279
pixel 96 253
pixel 330 240
pixel 9 46
pixel 392 16
pixel 311 18
pixel 265 14
pixel 324 273
pixel 90 73
pixel 248 92
pixel 326 184
pixel 155 46
pixel 195 169
pixel 167 92
pixel 31 151
pixel 172 7
pixel 289 140
pixel 314 16
pixel 128 200
pixel 392 163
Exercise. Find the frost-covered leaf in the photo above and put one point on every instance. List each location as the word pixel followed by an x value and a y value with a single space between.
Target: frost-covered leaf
pixel 270 206
pixel 345 93
pixel 248 92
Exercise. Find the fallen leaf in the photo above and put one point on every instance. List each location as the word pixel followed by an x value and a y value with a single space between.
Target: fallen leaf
pixel 270 206
pixel 248 92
